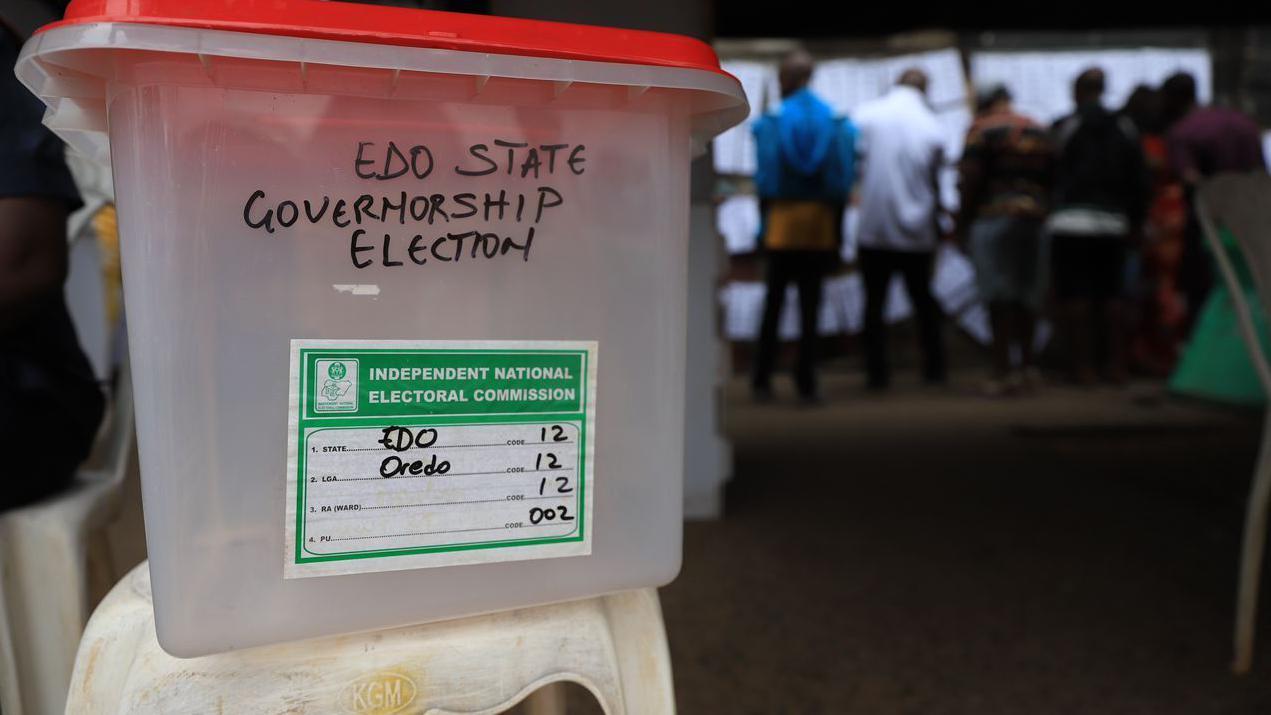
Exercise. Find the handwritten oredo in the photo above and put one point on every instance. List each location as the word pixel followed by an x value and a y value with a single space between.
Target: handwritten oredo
pixel 462 220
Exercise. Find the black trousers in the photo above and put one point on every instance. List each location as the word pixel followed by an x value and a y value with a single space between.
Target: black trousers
pixel 877 268
pixel 806 269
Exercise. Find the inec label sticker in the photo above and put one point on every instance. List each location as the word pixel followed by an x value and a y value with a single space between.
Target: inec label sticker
pixel 413 454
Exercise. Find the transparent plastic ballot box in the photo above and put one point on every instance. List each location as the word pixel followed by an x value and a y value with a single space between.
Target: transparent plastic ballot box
pixel 405 296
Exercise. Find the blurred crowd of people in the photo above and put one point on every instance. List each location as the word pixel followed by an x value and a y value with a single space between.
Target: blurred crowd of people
pixel 1089 223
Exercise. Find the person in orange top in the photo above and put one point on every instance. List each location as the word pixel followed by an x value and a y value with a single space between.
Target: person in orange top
pixel 1161 319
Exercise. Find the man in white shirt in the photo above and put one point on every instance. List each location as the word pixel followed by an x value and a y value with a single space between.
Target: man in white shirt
pixel 902 149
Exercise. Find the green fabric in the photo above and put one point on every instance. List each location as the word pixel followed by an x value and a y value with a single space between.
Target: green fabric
pixel 1216 363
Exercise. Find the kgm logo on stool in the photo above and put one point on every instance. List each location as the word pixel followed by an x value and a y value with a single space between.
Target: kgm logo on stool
pixel 335 385
pixel 378 694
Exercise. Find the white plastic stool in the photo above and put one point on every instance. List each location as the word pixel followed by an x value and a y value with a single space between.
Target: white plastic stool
pixel 615 646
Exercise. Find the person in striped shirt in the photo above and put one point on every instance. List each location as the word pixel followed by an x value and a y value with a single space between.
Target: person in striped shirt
pixel 1005 177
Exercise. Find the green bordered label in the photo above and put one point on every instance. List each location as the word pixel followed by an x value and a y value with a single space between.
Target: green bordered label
pixel 413 454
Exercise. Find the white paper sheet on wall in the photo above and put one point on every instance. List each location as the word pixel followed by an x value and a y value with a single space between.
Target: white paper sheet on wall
pixel 1041 82
pixel 848 83
pixel 734 150
pixel 843 303
pixel 737 220
pixel 841 311
pixel 851 219
pixel 955 121
pixel 946 81
pixel 845 84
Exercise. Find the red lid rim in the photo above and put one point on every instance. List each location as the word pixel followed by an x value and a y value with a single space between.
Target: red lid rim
pixel 432 29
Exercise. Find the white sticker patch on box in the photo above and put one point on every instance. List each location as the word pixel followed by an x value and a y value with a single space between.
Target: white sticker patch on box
pixel 415 454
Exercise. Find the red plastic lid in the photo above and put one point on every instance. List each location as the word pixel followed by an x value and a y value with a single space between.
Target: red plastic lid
pixel 403 26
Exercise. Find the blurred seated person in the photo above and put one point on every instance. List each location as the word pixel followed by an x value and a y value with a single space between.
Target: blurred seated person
pixel 50 403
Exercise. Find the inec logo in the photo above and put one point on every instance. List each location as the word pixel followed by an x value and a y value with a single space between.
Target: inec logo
pixel 335 385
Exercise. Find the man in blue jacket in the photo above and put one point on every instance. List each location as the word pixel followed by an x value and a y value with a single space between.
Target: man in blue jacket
pixel 806 161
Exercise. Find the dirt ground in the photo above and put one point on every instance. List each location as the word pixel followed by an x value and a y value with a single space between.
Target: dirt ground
pixel 931 551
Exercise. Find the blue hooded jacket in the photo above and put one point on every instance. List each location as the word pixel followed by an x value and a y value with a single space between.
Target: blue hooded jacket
pixel 804 151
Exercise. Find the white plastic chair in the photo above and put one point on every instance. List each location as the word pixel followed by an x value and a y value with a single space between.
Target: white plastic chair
pixel 48 554
pixel 614 646
pixel 84 291
pixel 1241 203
